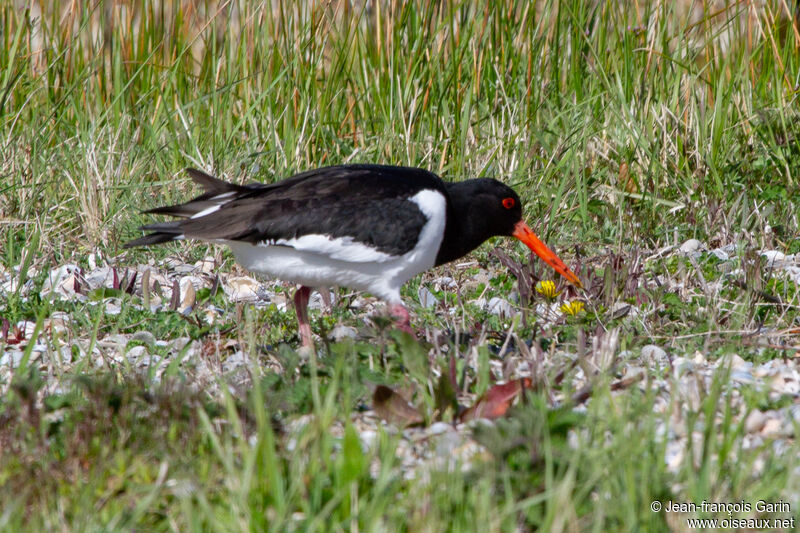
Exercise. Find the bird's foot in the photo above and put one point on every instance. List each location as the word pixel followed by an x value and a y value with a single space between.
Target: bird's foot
pixel 402 318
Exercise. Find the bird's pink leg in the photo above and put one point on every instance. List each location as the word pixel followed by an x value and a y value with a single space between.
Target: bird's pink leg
pixel 301 308
pixel 402 318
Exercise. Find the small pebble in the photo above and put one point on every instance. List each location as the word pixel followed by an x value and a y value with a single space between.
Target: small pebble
pixel 145 337
pixel 437 428
pixel 426 297
pixel 136 353
pixel 11 358
pixel 772 428
pixel 773 256
pixel 721 254
pixel 241 288
pixel 316 301
pixel 500 307
pixel 655 355
pixel 742 376
pixel 234 361
pixel 341 332
pixel 690 246
pixel 736 362
pixel 755 421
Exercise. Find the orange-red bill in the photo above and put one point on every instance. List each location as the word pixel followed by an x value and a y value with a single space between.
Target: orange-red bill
pixel 526 235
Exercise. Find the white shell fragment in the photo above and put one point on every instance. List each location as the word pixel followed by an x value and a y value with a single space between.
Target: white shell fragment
pixel 62 282
pixel 426 297
pixel 241 289
pixel 500 307
pixel 690 246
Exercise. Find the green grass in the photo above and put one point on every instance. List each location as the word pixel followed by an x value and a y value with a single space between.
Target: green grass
pixel 626 127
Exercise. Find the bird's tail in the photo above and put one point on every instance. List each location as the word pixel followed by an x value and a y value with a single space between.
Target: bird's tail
pixel 162 232
pixel 217 192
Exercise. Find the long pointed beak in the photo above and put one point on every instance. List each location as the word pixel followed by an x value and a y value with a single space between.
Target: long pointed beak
pixel 526 235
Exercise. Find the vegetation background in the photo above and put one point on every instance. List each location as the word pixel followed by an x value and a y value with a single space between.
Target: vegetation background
pixel 628 127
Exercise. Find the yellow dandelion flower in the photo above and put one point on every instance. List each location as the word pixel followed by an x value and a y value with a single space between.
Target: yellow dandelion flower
pixel 547 288
pixel 572 308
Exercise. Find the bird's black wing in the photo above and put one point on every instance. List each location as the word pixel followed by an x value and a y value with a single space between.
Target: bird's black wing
pixel 369 204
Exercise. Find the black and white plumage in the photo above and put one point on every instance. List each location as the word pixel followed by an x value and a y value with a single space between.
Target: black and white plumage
pixel 367 227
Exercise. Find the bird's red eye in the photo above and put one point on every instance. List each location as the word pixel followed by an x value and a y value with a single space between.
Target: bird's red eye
pixel 509 203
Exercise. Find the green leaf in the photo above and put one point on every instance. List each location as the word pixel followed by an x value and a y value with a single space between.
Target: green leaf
pixel 353 458
pixel 414 356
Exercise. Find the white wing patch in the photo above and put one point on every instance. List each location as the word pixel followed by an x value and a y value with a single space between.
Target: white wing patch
pixel 206 211
pixel 341 248
pixel 224 195
pixel 221 200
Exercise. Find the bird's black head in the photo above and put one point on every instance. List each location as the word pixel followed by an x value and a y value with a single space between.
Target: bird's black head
pixel 494 206
pixel 481 208
pixel 484 208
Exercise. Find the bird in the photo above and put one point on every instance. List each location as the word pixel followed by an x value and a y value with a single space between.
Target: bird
pixel 362 226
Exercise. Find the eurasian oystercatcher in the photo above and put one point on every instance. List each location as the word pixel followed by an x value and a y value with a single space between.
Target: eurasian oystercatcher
pixel 366 227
